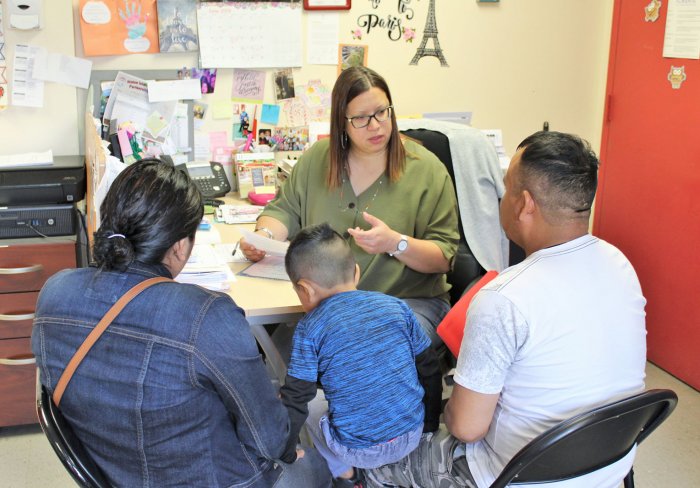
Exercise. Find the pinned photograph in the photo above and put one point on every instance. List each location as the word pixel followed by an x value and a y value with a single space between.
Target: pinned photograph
pixel 264 137
pixel 289 138
pixel 199 109
pixel 284 84
pixel 351 55
pixel 207 78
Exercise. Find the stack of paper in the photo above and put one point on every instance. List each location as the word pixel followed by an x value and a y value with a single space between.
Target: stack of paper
pixel 206 269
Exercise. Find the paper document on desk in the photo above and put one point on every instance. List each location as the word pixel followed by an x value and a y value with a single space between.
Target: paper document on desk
pixel 206 269
pixel 271 267
pixel 224 250
pixel 270 246
pixel 211 236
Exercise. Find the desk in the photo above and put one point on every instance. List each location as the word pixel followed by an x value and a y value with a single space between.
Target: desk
pixel 264 301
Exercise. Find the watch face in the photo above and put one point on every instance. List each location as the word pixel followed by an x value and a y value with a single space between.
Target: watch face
pixel 403 245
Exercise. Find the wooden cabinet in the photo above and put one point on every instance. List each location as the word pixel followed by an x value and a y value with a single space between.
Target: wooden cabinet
pixel 24 267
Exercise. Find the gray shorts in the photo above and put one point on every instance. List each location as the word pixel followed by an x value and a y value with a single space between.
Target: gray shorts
pixel 430 465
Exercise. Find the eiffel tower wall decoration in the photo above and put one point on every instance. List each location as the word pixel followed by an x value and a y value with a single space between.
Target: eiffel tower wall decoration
pixel 430 33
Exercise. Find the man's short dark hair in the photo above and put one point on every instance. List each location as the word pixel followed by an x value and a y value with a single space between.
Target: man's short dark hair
pixel 320 254
pixel 560 171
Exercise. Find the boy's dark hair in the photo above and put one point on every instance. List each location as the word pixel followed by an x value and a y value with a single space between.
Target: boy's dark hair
pixel 320 254
pixel 560 171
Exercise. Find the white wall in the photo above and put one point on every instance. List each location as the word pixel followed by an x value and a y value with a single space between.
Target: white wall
pixel 54 126
pixel 514 64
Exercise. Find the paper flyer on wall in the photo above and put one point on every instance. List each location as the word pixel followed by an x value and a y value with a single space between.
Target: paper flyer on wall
pixel 177 26
pixel 26 91
pixel 322 32
pixel 125 83
pixel 112 27
pixel 682 35
pixel 60 68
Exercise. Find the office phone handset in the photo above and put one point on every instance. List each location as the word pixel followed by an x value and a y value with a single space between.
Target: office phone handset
pixel 209 177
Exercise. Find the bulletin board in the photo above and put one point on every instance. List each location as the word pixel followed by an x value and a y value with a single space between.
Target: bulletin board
pixel 95 159
pixel 99 76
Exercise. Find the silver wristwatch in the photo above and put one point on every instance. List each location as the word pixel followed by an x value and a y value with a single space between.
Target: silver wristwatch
pixel 401 246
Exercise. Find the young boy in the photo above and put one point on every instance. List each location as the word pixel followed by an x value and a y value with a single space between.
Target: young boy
pixel 371 356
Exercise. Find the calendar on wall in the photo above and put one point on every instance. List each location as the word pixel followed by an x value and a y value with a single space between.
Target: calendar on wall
pixel 250 35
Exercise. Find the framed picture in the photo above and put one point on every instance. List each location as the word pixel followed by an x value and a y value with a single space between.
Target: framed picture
pixel 327 4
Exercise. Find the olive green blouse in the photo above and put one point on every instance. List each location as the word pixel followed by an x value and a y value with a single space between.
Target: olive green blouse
pixel 421 204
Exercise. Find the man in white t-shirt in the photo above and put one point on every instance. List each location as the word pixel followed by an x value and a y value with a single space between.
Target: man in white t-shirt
pixel 556 335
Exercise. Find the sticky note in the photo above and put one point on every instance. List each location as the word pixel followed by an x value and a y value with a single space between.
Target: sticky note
pixel 270 114
pixel 221 109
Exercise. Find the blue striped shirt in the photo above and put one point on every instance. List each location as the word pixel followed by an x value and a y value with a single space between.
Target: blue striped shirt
pixel 362 347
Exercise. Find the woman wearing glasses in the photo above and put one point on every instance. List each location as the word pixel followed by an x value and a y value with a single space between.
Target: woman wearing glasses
pixel 391 198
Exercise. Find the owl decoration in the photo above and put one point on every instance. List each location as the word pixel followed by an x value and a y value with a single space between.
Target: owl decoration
pixel 651 11
pixel 676 76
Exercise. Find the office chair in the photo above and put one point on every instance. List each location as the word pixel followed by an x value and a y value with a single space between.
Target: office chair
pixel 65 443
pixel 589 441
pixel 467 269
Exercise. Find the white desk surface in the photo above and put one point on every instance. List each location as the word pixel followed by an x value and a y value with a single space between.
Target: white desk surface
pixel 264 301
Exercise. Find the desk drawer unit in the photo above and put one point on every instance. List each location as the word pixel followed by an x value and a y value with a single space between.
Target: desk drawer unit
pixel 24 268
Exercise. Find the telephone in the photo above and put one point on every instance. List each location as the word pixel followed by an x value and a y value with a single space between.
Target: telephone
pixel 209 177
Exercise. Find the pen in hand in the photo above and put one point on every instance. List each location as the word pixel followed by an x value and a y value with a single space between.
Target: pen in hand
pixel 235 249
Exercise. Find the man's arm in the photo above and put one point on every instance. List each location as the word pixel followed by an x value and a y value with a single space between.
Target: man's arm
pixel 494 333
pixel 296 395
pixel 430 379
pixel 468 414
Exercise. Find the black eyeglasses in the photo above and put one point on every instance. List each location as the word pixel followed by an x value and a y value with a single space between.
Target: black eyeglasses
pixel 361 121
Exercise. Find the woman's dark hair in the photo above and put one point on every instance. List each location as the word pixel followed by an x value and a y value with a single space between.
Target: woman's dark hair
pixel 152 205
pixel 352 82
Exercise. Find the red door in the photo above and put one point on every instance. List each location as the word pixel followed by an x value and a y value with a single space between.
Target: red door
pixel 648 200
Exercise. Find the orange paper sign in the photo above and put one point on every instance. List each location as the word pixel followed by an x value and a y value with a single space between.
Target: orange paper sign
pixel 111 27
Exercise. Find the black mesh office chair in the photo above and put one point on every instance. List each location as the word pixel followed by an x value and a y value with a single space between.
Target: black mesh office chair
pixel 466 268
pixel 65 443
pixel 589 441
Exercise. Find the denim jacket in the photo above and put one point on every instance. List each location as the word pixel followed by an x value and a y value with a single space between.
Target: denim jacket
pixel 174 393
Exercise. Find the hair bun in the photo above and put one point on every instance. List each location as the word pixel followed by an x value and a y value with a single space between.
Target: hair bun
pixel 112 250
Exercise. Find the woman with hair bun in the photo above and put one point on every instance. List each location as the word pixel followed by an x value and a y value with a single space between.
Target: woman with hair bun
pixel 174 392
